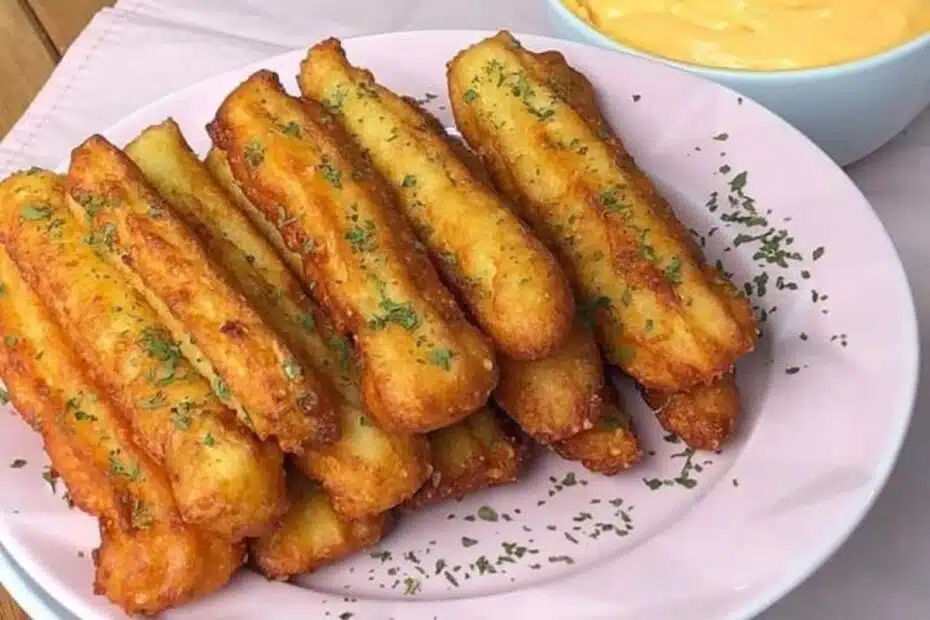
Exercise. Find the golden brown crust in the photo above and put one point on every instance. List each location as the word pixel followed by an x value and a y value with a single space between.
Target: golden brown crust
pixel 424 366
pixel 165 566
pixel 509 281
pixel 564 401
pixel 662 315
pixel 557 397
pixel 148 560
pixel 704 416
pixel 482 451
pixel 231 484
pixel 218 164
pixel 312 533
pixel 38 391
pixel 611 446
pixel 578 91
pixel 368 470
pixel 283 399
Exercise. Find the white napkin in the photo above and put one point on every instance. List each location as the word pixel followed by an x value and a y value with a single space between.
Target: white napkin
pixel 145 49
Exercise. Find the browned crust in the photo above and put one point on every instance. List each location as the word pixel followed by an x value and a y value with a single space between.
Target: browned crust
pixel 703 417
pixel 249 357
pixel 149 560
pixel 580 94
pixel 312 534
pixel 526 306
pixel 482 451
pixel 611 446
pixel 555 398
pixel 368 470
pixel 697 345
pixel 360 485
pixel 234 487
pixel 402 391
pixel 161 568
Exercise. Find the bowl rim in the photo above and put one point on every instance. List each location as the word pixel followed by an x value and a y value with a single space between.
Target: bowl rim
pixel 856 65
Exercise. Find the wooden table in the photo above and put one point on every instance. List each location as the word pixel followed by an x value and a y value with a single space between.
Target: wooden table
pixel 33 36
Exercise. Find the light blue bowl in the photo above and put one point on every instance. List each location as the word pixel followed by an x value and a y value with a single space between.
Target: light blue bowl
pixel 849 110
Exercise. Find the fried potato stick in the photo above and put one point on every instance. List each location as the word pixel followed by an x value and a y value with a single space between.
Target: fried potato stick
pixel 278 397
pixel 218 164
pixel 611 446
pixel 557 397
pixel 148 559
pixel 424 366
pixel 312 533
pixel 567 393
pixel 223 479
pixel 511 284
pixel 481 451
pixel 368 470
pixel 704 417
pixel 662 314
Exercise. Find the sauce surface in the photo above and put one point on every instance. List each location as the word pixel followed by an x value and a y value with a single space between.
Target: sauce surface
pixel 758 34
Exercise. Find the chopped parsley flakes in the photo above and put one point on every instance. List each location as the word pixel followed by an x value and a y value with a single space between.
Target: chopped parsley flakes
pixel 158 344
pixel 442 358
pixel 254 153
pixel 393 312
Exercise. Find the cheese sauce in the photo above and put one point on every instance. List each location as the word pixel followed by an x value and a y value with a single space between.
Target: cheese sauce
pixel 758 34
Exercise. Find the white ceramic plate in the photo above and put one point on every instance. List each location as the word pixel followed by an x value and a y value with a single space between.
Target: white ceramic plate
pixel 827 396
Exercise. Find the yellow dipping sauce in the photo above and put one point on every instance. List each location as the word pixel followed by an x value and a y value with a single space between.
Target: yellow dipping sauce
pixel 758 34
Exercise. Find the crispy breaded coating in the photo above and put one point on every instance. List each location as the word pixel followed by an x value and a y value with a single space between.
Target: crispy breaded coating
pixel 662 314
pixel 164 566
pixel 222 478
pixel 704 417
pixel 148 559
pixel 423 365
pixel 279 397
pixel 564 401
pixel 557 397
pixel 312 533
pixel 511 284
pixel 368 470
pixel 611 446
pixel 482 451
pixel 218 164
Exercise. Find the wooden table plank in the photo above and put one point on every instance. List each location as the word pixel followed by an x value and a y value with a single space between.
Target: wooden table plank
pixel 25 61
pixel 63 20
pixel 8 609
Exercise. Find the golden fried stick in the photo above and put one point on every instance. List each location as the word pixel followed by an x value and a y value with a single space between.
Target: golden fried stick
pixel 368 470
pixel 663 315
pixel 704 416
pixel 222 478
pixel 218 164
pixel 312 533
pixel 563 401
pixel 424 366
pixel 608 448
pixel 148 560
pixel 481 451
pixel 509 281
pixel 557 397
pixel 282 399
pixel 164 566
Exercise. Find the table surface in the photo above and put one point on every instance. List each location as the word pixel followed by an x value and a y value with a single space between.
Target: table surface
pixel 33 36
